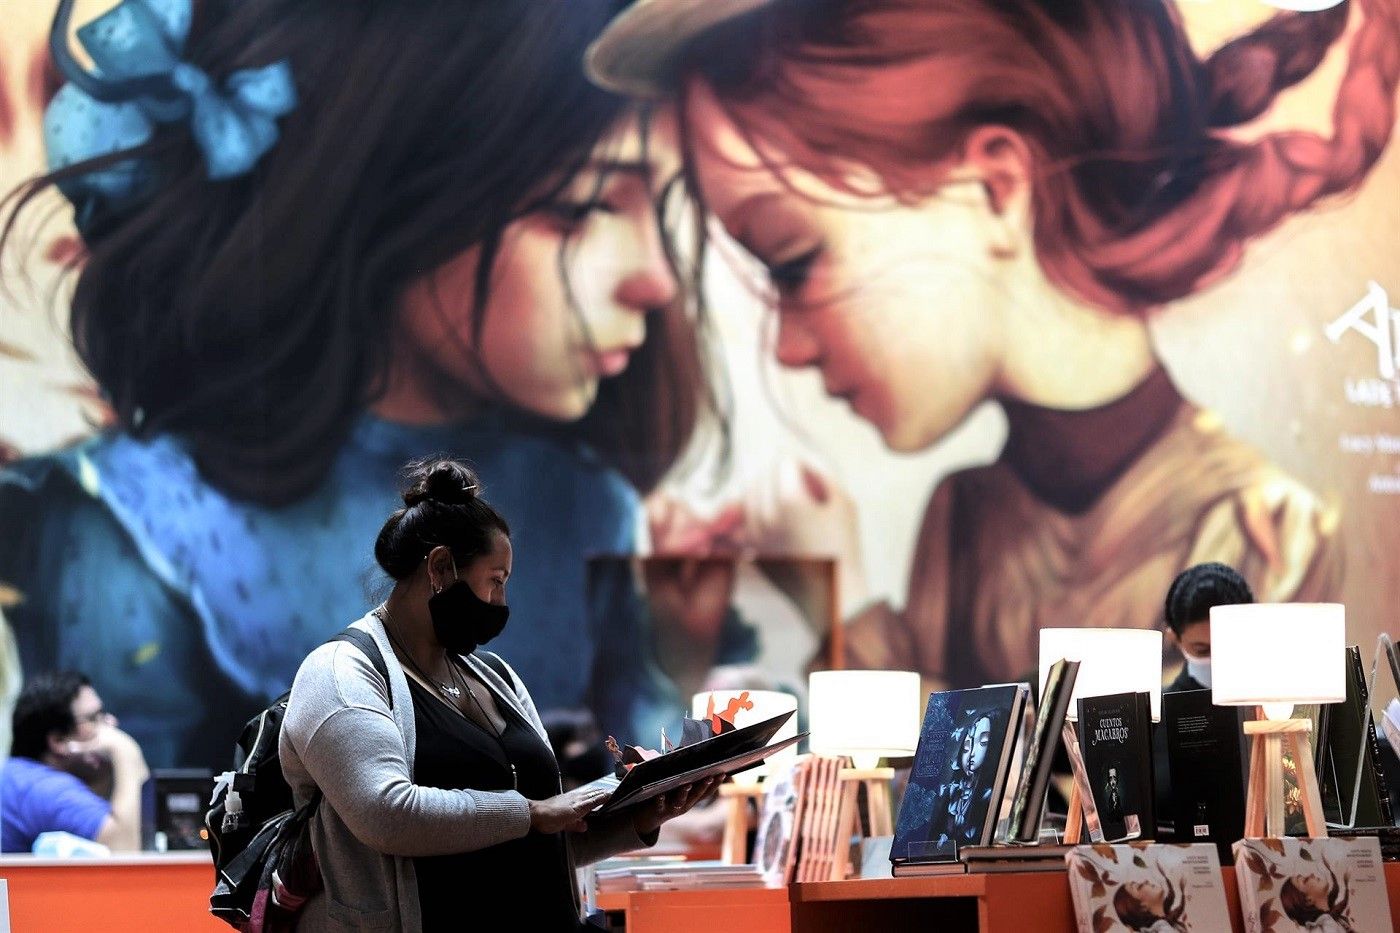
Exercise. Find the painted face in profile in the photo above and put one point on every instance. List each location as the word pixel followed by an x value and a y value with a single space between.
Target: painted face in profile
pixel 571 289
pixel 896 305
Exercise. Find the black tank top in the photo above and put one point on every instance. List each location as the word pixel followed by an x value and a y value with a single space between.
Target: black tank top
pixel 522 884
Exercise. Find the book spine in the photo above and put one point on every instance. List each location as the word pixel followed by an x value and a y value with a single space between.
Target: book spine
pixel 1147 784
pixel 1373 748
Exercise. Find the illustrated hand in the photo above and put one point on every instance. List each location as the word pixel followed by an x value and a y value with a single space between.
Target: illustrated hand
pixel 690 593
pixel 669 806
pixel 798 510
pixel 566 812
pixel 676 528
pixel 688 599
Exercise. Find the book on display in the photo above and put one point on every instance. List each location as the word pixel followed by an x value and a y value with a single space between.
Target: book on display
pixel 960 772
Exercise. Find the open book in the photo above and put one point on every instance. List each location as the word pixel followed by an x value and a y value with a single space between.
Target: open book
pixel 724 754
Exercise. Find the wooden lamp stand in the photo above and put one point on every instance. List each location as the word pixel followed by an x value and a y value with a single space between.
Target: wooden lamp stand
pixel 736 797
pixel 877 802
pixel 1074 820
pixel 1264 807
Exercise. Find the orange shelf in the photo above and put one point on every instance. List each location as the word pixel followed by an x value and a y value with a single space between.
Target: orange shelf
pixel 135 894
pixel 872 889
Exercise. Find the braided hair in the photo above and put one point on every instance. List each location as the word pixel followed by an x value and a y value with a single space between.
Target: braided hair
pixel 1138 197
pixel 1197 589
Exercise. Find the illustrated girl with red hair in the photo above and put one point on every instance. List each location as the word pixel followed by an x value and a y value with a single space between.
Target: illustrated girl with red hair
pixel 963 200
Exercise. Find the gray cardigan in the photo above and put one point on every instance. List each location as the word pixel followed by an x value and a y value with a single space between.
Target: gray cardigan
pixel 341 735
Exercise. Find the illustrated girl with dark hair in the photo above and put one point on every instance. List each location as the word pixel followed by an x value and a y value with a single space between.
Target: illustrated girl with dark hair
pixel 1316 903
pixel 1150 907
pixel 321 238
pixel 960 201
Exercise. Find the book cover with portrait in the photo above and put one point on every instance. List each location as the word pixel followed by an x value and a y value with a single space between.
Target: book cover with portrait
pixel 1147 888
pixel 959 774
pixel 1116 737
pixel 1293 885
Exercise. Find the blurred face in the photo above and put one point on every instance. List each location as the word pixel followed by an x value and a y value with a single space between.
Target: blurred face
pixel 70 752
pixel 897 306
pixel 551 334
pixel 88 714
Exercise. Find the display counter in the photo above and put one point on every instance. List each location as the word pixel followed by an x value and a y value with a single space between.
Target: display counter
pixel 1027 902
pixel 145 893
pixel 138 893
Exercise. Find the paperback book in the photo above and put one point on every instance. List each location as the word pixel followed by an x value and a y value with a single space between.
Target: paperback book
pixel 1292 885
pixel 1115 734
pixel 1206 758
pixel 1147 887
pixel 959 774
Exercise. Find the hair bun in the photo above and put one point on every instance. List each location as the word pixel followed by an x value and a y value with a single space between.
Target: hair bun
pixel 447 482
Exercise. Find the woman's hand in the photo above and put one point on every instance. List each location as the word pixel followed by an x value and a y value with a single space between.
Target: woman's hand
pixel 669 806
pixel 566 812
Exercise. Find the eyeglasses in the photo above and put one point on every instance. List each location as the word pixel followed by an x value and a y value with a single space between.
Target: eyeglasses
pixel 98 716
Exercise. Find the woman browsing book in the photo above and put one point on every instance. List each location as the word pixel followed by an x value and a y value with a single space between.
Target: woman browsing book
pixel 440 795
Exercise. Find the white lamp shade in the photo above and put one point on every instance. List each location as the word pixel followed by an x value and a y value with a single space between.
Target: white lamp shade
pixel 1278 653
pixel 1111 660
pixel 864 714
pixel 766 705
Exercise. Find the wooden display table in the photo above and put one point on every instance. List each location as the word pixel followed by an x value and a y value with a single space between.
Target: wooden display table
pixel 1026 902
pixel 150 893
pixel 752 910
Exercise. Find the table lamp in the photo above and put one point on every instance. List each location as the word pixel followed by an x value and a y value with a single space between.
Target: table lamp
pixel 1276 655
pixel 754 706
pixel 1111 660
pixel 866 715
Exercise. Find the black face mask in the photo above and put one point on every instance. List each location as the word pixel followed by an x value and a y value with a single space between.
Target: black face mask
pixel 462 620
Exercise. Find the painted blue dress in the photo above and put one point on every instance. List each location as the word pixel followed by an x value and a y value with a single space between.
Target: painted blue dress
pixel 190 610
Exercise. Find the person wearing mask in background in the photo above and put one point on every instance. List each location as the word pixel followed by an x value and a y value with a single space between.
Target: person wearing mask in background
pixel 1187 612
pixel 1194 592
pixel 63 739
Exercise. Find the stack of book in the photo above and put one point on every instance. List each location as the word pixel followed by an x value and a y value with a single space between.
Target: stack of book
pixel 987 860
pixel 676 876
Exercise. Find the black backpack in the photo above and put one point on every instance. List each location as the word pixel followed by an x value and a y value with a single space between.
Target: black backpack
pixel 264 869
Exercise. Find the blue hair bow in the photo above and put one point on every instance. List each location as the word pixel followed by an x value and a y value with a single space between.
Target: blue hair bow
pixel 140 81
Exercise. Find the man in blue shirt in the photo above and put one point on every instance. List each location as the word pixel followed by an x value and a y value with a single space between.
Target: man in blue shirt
pixel 61 732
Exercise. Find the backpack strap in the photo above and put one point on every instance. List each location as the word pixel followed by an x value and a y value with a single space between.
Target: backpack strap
pixel 494 662
pixel 366 643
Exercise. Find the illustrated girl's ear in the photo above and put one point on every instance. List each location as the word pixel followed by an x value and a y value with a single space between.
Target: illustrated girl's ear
pixel 1000 159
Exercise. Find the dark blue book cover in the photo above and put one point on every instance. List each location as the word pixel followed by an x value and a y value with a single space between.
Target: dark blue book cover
pixel 959 774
